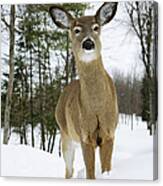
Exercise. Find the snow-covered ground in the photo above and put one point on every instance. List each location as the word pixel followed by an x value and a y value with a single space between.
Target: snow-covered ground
pixel 132 157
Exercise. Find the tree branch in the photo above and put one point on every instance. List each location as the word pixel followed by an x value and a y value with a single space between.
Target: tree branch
pixel 130 13
pixel 5 22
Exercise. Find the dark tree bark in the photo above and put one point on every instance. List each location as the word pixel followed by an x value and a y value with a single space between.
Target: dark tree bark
pixel 26 85
pixel 40 91
pixel 53 141
pixel 67 60
pixel 23 105
pixel 41 103
pixel 49 142
pixel 31 98
pixel 73 67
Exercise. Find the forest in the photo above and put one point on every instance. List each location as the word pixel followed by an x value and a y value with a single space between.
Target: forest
pixel 40 63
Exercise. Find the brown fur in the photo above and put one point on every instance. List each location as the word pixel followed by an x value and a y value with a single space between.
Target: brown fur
pixel 87 110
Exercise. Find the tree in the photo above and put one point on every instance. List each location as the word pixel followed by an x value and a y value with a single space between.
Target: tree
pixel 143 20
pixel 43 65
pixel 128 88
pixel 11 76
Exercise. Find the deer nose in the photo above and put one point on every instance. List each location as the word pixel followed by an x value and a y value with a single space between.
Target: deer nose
pixel 88 44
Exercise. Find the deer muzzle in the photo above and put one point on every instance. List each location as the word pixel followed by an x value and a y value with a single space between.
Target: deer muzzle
pixel 88 44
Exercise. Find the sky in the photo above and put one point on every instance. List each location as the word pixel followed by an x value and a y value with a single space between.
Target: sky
pixel 120 46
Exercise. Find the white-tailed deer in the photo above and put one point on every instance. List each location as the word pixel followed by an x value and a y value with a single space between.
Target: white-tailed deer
pixel 87 110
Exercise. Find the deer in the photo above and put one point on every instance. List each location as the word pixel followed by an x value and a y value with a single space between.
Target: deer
pixel 87 109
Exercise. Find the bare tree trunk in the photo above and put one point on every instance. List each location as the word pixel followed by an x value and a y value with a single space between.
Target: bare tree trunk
pixel 53 141
pixel 49 66
pixel 73 68
pixel 49 143
pixel 21 137
pixel 31 99
pixel 125 118
pixel 11 76
pixel 132 121
pixel 22 103
pixel 24 134
pixel 67 61
pixel 41 103
pixel 25 104
pixel 41 97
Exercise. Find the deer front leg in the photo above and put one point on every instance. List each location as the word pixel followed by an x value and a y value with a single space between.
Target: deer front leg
pixel 89 159
pixel 68 150
pixel 106 150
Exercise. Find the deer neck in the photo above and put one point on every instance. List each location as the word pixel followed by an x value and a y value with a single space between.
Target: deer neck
pixel 93 81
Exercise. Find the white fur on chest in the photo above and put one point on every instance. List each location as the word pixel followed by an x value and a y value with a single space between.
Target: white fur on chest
pixel 88 56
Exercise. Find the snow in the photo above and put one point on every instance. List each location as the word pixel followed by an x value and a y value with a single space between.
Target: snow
pixel 21 160
pixel 132 157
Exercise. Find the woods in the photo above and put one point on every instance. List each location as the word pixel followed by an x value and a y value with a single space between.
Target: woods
pixel 36 83
pixel 143 18
pixel 40 63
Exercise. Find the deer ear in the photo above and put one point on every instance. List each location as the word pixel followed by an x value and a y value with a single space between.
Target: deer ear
pixel 61 17
pixel 106 12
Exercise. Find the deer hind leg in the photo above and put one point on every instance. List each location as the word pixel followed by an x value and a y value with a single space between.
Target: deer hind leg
pixel 68 150
pixel 89 159
pixel 106 150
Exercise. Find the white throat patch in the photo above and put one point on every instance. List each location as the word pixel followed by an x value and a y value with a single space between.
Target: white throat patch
pixel 88 56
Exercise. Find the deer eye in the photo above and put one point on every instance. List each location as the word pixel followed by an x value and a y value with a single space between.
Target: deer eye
pixel 77 30
pixel 95 27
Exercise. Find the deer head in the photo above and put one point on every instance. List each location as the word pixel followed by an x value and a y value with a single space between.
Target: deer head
pixel 84 31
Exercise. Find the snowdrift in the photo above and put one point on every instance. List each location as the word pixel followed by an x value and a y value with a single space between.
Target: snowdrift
pixel 132 158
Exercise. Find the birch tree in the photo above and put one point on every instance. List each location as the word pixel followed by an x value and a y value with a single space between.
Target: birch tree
pixel 7 113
